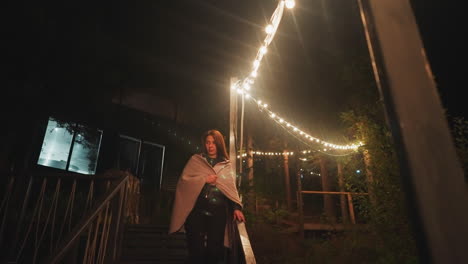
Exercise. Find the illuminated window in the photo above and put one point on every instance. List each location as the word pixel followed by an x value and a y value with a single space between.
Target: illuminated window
pixel 69 146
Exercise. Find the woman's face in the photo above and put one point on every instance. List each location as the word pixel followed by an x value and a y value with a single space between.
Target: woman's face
pixel 211 147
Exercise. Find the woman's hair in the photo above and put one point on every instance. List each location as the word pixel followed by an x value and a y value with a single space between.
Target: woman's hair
pixel 219 142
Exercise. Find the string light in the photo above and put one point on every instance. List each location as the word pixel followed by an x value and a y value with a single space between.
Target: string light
pixel 304 135
pixel 290 3
pixel 270 30
pixel 245 84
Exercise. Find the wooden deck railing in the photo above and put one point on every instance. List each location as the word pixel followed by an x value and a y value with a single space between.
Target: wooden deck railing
pixel 349 196
pixel 39 214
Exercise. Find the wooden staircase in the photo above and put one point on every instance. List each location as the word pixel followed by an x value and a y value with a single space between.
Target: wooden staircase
pixel 145 244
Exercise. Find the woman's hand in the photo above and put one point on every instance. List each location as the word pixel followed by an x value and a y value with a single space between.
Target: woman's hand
pixel 239 216
pixel 211 179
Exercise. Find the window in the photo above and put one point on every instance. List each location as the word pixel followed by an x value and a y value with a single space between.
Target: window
pixel 143 159
pixel 70 146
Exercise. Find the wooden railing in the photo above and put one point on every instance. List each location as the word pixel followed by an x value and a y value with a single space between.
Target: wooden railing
pixel 45 218
pixel 248 255
pixel 349 196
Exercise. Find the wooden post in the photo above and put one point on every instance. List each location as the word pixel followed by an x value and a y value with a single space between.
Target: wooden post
pixel 241 138
pixel 300 208
pixel 351 208
pixel 287 184
pixel 432 177
pixel 250 159
pixel 344 212
pixel 326 186
pixel 250 173
pixel 233 125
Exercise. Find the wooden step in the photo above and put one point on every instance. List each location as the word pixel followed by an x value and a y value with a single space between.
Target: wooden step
pixel 144 244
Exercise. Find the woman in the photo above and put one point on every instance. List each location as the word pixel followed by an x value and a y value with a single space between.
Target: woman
pixel 206 198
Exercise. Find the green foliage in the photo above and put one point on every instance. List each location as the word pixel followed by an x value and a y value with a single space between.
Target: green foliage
pixel 459 129
pixel 385 210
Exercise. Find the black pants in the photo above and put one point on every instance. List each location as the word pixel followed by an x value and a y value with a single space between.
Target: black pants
pixel 206 221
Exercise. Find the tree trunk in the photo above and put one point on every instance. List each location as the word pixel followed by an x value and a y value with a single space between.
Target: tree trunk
pixel 369 176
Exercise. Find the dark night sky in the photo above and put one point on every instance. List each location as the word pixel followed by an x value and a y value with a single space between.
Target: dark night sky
pixel 189 49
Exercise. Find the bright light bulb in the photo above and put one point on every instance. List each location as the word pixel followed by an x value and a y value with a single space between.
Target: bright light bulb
pixel 253 74
pixel 247 86
pixel 256 63
pixel 281 120
pixel 290 3
pixel 263 50
pixel 247 95
pixel 269 29
pixel 265 105
pixel 273 115
pixel 259 102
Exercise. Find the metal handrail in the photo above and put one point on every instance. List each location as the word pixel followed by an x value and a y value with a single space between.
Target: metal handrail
pixel 87 225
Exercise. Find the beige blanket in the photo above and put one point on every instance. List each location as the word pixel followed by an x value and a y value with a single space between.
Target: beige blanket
pixel 191 182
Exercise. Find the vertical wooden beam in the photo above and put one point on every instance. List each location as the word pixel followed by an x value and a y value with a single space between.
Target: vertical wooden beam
pixel 232 124
pixel 287 179
pixel 250 173
pixel 250 159
pixel 351 208
pixel 432 176
pixel 344 212
pixel 300 208
pixel 326 187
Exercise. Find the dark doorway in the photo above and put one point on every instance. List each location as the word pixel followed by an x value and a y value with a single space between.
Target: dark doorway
pixel 145 160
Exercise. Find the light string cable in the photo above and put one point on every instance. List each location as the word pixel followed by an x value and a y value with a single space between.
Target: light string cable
pixel 270 29
pixel 303 136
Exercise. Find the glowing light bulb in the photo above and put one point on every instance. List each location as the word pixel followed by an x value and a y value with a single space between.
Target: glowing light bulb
pixel 263 50
pixel 256 63
pixel 290 3
pixel 254 74
pixel 269 29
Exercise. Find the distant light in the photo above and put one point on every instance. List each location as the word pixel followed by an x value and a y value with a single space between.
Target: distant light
pixel 263 50
pixel 358 171
pixel 290 3
pixel 269 29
